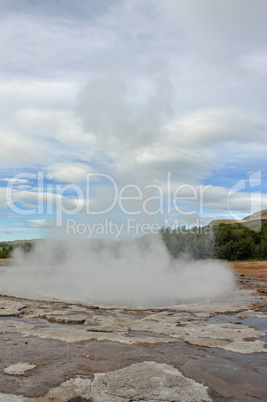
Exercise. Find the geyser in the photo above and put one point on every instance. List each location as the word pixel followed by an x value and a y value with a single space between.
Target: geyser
pixel 136 272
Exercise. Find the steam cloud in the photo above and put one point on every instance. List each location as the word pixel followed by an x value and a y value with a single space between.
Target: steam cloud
pixel 131 272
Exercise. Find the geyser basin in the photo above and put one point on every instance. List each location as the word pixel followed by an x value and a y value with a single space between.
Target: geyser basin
pixel 136 272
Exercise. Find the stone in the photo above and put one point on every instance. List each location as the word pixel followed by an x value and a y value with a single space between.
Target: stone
pixel 129 330
pixel 147 381
pixel 251 314
pixel 11 308
pixel 75 388
pixel 19 368
pixel 71 334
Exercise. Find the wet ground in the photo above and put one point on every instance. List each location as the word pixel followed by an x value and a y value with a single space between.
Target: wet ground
pixel 219 345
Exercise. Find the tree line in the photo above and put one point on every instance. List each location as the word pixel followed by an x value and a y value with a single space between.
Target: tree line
pixel 6 251
pixel 232 242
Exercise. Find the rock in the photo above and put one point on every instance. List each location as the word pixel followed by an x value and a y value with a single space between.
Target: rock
pixel 12 398
pixel 11 308
pixel 226 336
pixel 131 331
pixel 71 334
pixel 67 319
pixel 147 381
pixel 251 314
pixel 19 368
pixel 192 331
pixel 70 390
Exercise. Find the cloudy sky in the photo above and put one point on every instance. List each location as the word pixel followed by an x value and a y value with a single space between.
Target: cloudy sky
pixel 160 101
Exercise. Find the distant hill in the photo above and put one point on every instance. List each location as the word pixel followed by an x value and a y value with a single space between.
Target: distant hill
pixel 253 221
pixel 225 221
pixel 15 243
pixel 257 215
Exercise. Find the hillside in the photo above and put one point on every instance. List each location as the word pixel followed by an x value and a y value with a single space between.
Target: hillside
pixel 253 221
pixel 256 215
pixel 16 243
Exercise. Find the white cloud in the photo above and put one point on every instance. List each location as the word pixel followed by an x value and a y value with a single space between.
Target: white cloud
pixel 206 127
pixel 218 24
pixel 18 93
pixel 22 150
pixel 49 39
pixel 133 89
pixel 117 119
pixel 255 63
pixel 11 230
pixel 38 223
pixel 69 172
pixel 14 180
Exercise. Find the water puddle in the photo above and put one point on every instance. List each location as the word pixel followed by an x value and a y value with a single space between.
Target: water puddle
pixel 258 323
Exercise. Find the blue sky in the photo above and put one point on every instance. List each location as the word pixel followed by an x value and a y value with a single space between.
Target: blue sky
pixel 139 91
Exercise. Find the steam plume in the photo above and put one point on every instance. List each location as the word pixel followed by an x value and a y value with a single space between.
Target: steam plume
pixel 133 272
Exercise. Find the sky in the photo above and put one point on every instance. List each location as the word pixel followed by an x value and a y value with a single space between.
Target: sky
pixel 119 117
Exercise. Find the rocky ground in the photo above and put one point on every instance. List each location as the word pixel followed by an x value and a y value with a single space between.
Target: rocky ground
pixel 253 275
pixel 210 351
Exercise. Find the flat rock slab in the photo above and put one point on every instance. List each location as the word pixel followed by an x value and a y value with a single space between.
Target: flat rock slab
pixel 147 381
pixel 153 328
pixel 75 389
pixel 70 334
pixel 94 353
pixel 19 368
pixel 251 314
pixel 10 308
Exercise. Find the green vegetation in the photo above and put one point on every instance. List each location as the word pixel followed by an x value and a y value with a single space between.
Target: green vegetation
pixel 232 242
pixel 182 242
pixel 7 250
pixel 238 242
